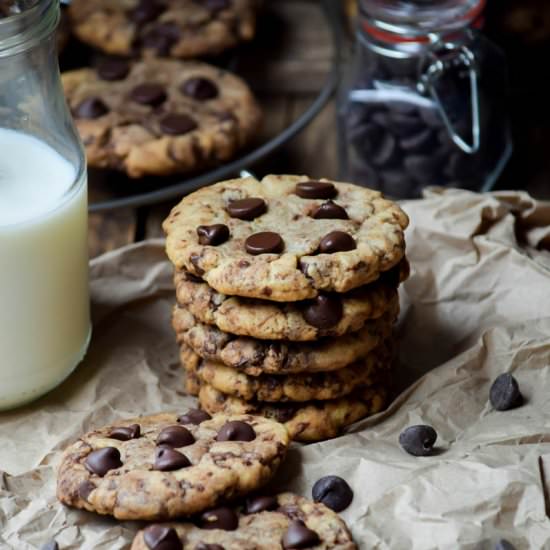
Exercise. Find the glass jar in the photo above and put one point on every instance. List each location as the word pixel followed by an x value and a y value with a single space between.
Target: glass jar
pixel 44 300
pixel 423 99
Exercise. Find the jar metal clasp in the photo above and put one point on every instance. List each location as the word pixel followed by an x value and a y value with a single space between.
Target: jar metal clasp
pixel 437 61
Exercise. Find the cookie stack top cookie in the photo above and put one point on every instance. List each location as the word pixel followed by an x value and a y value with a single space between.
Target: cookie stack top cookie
pixel 285 238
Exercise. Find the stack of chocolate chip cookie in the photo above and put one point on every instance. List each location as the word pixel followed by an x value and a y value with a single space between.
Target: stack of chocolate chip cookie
pixel 286 299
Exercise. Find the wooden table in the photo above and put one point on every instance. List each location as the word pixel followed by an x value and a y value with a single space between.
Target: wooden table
pixel 286 85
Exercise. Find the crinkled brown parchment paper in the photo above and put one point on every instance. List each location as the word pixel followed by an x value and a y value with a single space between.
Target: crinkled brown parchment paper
pixel 477 304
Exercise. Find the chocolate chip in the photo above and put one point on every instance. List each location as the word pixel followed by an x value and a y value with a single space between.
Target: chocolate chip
pixel 316 190
pixel 125 433
pixel 330 211
pixel 161 38
pixel 334 492
pixel 265 242
pixel 220 518
pixel 113 69
pixel 385 152
pixel 505 393
pixel 199 88
pixel 84 489
pixel 215 5
pixel 175 436
pixel 101 461
pixel 235 430
pixel 177 124
pixel 255 505
pixel 204 546
pixel 247 209
pixel 91 108
pixel 194 416
pixel 418 440
pixel 146 11
pixel 336 241
pixel 160 537
pixel 325 311
pixel 51 545
pixel 167 460
pixel 299 536
pixel 149 94
pixel 213 235
pixel 503 544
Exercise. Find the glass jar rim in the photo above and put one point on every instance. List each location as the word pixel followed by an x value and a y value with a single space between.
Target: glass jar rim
pixel 402 21
pixel 22 31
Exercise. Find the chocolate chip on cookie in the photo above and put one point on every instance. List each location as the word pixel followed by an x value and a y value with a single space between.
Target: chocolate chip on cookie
pixel 204 546
pixel 220 518
pixel 236 430
pixel 336 241
pixel 194 416
pixel 146 11
pixel 112 70
pixel 330 211
pixel 125 433
pixel 266 242
pixel 299 536
pixel 175 436
pixel 103 460
pixel 177 124
pixel 247 209
pixel 200 88
pixel 213 235
pixel 161 537
pixel 255 505
pixel 149 94
pixel 167 460
pixel 91 108
pixel 316 190
pixel 325 311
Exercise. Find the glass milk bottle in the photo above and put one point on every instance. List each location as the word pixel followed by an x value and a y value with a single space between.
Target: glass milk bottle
pixel 424 99
pixel 44 301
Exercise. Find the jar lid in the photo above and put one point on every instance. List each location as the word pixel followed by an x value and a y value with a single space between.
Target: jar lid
pixel 415 19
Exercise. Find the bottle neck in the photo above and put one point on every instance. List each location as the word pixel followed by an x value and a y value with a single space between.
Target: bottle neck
pixel 23 31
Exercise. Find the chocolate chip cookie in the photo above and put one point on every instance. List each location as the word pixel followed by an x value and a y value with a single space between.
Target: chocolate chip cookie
pixel 284 521
pixel 255 357
pixel 175 28
pixel 160 117
pixel 320 386
pixel 165 466
pixel 285 238
pixel 329 314
pixel 309 421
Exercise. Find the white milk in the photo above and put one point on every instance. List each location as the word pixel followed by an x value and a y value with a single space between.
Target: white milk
pixel 44 305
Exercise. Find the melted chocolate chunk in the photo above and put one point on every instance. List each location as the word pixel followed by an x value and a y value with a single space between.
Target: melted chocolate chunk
pixel 146 11
pixel 84 489
pixel 336 241
pixel 334 492
pixel 175 436
pixel 160 537
pixel 220 518
pixel 265 242
pixel 149 94
pixel 177 124
pixel 194 416
pixel 91 108
pixel 325 311
pixel 299 536
pixel 316 190
pixel 261 504
pixel 126 433
pixel 213 235
pixel 330 211
pixel 101 461
pixel 161 38
pixel 200 88
pixel 246 209
pixel 113 69
pixel 235 430
pixel 167 460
